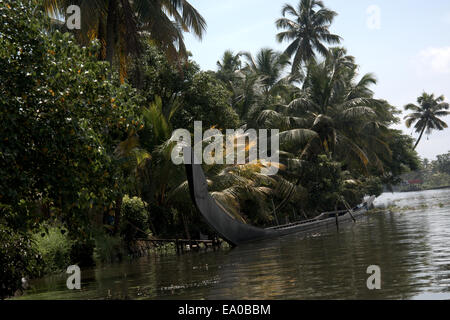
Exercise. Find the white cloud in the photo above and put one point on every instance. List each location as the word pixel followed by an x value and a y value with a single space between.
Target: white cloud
pixel 435 59
pixel 374 17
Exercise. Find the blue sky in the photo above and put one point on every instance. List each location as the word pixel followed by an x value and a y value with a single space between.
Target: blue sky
pixel 408 53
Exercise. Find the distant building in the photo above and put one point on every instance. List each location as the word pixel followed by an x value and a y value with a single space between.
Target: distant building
pixel 417 181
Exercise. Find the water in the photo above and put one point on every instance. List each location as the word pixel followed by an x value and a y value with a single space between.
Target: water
pixel 411 246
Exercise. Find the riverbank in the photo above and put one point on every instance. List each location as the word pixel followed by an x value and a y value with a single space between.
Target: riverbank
pixel 418 188
pixel 137 250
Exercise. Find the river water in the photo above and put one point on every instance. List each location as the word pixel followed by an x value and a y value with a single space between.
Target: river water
pixel 409 242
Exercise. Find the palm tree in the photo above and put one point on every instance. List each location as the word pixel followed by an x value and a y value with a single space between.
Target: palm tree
pixel 166 20
pixel 426 114
pixel 228 68
pixel 229 64
pixel 333 114
pixel 347 120
pixel 269 65
pixel 118 24
pixel 256 84
pixel 260 83
pixel 308 31
pixel 247 93
pixel 245 87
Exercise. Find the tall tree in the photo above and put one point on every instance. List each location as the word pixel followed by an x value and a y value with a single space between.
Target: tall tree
pixel 341 111
pixel 228 68
pixel 166 20
pixel 426 114
pixel 118 24
pixel 269 65
pixel 229 64
pixel 308 31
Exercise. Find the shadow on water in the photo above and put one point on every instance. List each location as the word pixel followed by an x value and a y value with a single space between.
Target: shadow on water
pixel 410 246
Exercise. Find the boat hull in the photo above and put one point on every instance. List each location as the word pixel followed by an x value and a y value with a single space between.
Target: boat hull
pixel 236 232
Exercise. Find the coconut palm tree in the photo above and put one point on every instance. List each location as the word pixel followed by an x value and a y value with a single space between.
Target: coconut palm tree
pixel 308 31
pixel 269 65
pixel 338 108
pixel 119 23
pixel 228 66
pixel 426 114
pixel 167 20
pixel 333 114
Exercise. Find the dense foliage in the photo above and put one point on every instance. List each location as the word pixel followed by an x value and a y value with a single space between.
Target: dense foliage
pixel 54 247
pixel 429 175
pixel 442 163
pixel 62 115
pixel 135 219
pixel 61 119
pixel 85 151
pixel 17 259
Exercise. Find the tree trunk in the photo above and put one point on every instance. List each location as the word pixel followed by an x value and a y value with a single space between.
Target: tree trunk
pixel 186 228
pixel 132 40
pixel 117 214
pixel 111 27
pixel 101 38
pixel 420 137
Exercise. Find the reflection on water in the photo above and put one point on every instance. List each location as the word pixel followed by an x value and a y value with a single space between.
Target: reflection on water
pixel 411 246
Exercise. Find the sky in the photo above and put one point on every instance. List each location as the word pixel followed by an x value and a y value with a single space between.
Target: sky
pixel 405 43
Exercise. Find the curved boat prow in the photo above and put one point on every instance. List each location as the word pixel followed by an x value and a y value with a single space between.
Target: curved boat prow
pixel 230 229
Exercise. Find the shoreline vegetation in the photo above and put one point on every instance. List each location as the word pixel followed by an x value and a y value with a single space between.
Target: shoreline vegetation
pixel 431 175
pixel 87 118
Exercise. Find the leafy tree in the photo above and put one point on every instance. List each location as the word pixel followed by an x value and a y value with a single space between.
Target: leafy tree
pixel 259 83
pixel 174 97
pixel 426 115
pixel 61 120
pixel 323 180
pixel 17 259
pixel 183 95
pixel 204 100
pixel 160 78
pixel 442 164
pixel 404 158
pixel 112 22
pixel 166 20
pixel 246 93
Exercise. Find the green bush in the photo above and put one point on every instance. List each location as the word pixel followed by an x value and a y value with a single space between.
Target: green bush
pixel 323 181
pixel 354 190
pixel 134 220
pixel 18 259
pixel 373 186
pixel 108 249
pixel 54 247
